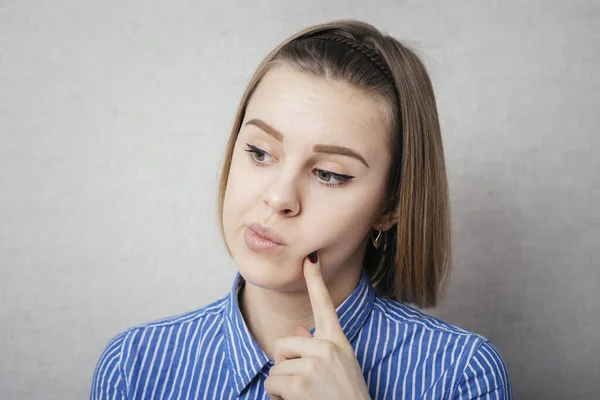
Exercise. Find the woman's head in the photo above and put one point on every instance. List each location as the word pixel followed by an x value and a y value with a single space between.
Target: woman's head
pixel 336 137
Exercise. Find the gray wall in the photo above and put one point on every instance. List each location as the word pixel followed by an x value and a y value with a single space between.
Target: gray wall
pixel 113 119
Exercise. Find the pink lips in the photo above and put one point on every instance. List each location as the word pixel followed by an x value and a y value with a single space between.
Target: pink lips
pixel 261 239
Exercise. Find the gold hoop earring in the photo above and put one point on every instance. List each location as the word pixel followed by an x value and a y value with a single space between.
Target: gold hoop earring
pixel 377 240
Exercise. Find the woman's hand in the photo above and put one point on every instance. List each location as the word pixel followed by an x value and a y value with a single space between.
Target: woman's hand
pixel 322 367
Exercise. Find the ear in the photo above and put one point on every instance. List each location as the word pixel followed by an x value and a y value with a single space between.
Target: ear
pixel 386 220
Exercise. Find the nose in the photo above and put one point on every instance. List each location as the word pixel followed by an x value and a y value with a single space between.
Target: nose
pixel 282 196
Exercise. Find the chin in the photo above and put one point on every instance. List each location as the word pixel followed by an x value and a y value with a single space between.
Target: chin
pixel 269 271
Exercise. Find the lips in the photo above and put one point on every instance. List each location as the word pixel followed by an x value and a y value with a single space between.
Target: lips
pixel 262 240
pixel 266 233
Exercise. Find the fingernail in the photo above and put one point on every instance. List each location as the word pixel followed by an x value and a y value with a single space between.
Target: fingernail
pixel 312 257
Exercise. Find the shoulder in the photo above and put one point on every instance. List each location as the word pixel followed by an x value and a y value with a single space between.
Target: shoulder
pixel 467 363
pixel 123 351
pixel 424 336
pixel 399 313
pixel 186 323
pixel 485 373
pixel 208 312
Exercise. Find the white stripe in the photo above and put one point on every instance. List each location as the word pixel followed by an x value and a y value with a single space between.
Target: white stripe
pixel 385 347
pixel 250 339
pixel 389 368
pixel 414 376
pixel 356 308
pixel 410 346
pixel 208 350
pixel 219 380
pixel 235 353
pixel 487 383
pixel 117 393
pixel 375 347
pixel 187 360
pixel 103 365
pixel 454 375
pixel 143 363
pixel 369 330
pixel 502 369
pixel 405 328
pixel 359 298
pixel 245 353
pixel 181 356
pixel 200 348
pixel 115 388
pixel 128 356
pixel 224 386
pixel 152 363
pixel 444 355
pixel 433 375
pixel 175 347
pixel 482 348
pixel 162 361
pixel 136 357
pixel 465 377
pixel 475 379
pixel 424 369
pixel 444 378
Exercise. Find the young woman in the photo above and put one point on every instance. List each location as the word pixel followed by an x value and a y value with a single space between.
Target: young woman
pixel 334 205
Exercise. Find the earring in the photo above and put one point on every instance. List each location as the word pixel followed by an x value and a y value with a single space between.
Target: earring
pixel 377 240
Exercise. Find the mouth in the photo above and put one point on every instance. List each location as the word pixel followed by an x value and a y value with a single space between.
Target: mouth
pixel 260 239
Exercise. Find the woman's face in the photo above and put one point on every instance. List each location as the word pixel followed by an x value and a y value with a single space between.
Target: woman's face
pixel 310 164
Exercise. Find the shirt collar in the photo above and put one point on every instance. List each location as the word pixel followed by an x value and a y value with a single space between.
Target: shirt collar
pixel 246 357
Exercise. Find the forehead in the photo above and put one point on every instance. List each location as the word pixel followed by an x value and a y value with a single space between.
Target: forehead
pixel 304 107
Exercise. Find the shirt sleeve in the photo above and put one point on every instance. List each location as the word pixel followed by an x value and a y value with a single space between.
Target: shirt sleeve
pixel 485 376
pixel 108 382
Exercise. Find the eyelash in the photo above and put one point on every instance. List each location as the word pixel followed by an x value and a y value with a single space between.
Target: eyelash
pixel 253 151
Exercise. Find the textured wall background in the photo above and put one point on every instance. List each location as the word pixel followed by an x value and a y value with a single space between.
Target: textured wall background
pixel 114 116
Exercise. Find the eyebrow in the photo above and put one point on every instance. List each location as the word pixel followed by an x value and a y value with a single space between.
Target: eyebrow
pixel 318 148
pixel 267 128
pixel 344 151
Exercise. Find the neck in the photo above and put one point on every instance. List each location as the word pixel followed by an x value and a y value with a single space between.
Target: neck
pixel 271 315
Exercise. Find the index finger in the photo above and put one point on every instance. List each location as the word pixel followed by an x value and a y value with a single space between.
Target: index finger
pixel 327 323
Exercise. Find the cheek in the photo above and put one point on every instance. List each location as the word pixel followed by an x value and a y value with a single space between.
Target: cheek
pixel 243 190
pixel 237 193
pixel 342 223
pixel 340 241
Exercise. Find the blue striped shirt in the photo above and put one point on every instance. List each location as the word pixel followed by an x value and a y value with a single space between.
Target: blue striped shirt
pixel 211 354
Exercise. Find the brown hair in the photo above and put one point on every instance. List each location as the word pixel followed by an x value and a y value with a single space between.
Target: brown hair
pixel 414 263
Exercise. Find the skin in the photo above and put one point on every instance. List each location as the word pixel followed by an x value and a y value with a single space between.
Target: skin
pixel 322 366
pixel 283 186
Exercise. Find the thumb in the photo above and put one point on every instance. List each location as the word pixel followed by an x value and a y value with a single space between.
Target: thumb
pixel 302 332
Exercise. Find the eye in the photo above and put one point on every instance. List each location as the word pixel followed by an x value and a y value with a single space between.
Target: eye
pixel 257 155
pixel 329 178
